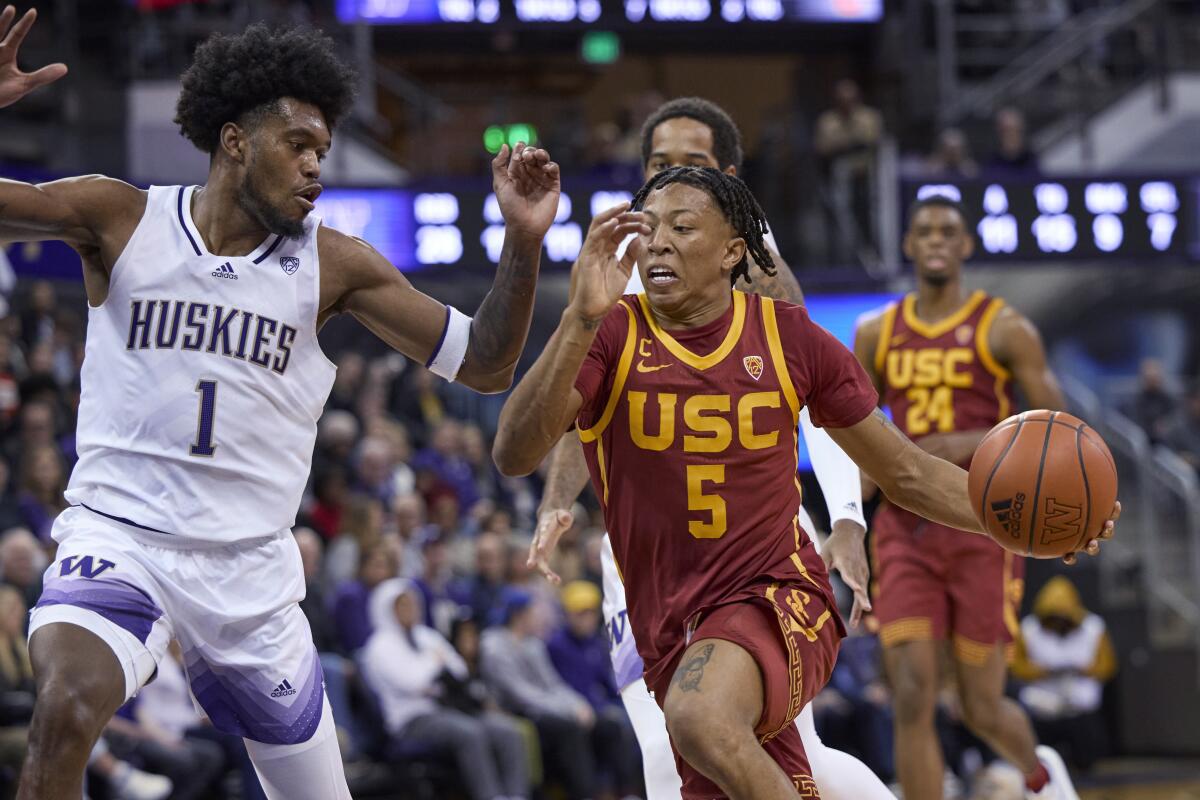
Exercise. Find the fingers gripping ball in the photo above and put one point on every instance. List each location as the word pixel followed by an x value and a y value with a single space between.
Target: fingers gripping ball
pixel 1043 483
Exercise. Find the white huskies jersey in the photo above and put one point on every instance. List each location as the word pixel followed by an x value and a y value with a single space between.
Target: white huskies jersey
pixel 202 381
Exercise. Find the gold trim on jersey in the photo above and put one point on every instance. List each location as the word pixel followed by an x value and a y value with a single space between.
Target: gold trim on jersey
pixel 687 356
pixel 983 332
pixel 932 330
pixel 775 345
pixel 603 469
pixel 593 433
pixel 887 324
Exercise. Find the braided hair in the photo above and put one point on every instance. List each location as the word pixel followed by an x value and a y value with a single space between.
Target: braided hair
pixel 736 202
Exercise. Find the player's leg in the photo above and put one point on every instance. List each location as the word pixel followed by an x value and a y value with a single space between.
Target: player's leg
pixel 96 635
pixel 912 669
pixel 994 718
pixel 307 770
pixel 650 727
pixel 839 776
pixel 80 685
pixel 714 704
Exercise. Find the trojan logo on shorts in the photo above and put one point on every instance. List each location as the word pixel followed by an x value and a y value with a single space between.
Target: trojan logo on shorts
pixel 805 785
pixel 284 689
pixel 1008 513
pixel 289 264
pixel 86 566
pixel 1061 521
pixel 754 366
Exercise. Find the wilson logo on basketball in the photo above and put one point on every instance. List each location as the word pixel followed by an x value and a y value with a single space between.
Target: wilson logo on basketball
pixel 1008 513
pixel 754 365
pixel 1062 521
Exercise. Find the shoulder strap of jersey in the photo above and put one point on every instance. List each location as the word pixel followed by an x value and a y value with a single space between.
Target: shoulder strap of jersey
pixel 593 433
pixel 775 345
pixel 983 332
pixel 887 324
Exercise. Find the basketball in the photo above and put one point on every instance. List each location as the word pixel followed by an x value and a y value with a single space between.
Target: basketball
pixel 1043 483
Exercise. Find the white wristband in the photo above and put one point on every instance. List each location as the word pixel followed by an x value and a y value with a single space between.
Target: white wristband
pixel 451 351
pixel 839 476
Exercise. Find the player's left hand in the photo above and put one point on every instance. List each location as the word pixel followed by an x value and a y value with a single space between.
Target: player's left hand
pixel 1092 548
pixel 844 551
pixel 527 187
pixel 15 84
pixel 552 523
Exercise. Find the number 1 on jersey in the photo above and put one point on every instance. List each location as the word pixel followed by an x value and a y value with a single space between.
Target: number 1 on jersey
pixel 203 446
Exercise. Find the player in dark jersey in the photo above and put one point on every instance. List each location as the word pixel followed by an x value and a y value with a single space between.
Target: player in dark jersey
pixel 945 363
pixel 691 447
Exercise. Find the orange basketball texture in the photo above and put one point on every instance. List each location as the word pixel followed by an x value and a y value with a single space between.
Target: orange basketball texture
pixel 1043 483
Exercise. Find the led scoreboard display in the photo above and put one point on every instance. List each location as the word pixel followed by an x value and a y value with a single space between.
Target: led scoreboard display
pixel 611 12
pixel 1038 219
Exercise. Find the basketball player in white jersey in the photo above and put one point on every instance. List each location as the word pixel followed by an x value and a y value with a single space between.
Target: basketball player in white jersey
pixel 696 132
pixel 202 384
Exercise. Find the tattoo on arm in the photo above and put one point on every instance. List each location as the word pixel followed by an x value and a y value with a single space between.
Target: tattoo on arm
pixel 689 674
pixel 502 322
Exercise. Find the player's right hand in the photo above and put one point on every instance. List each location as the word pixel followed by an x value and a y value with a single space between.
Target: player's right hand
pixel 15 84
pixel 599 278
pixel 551 525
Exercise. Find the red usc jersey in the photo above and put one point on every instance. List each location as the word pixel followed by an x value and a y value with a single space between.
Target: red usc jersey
pixel 940 377
pixel 694 456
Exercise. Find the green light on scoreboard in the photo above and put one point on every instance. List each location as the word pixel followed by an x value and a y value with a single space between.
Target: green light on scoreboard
pixel 600 47
pixel 495 136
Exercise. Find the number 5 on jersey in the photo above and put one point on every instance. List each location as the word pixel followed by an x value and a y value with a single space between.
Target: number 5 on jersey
pixel 713 504
pixel 203 446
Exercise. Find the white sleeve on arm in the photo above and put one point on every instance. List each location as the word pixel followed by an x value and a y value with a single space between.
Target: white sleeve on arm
pixel 451 350
pixel 838 475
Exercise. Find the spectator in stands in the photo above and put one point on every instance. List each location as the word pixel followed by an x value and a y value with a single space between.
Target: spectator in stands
pixel 408 521
pixel 951 157
pixel 517 667
pixel 351 614
pixel 1153 406
pixel 481 591
pixel 336 434
pixel 16 682
pixel 579 651
pixel 1184 434
pixel 314 604
pixel 411 668
pixel 157 735
pixel 418 400
pixel 1064 656
pixel 847 140
pixel 21 564
pixel 331 492
pixel 362 529
pixel 443 461
pixel 43 481
pixel 478 454
pixel 10 397
pixel 10 508
pixel 1012 155
pixel 37 427
pixel 122 780
pixel 347 383
pixel 435 583
pixel 37 320
pixel 374 469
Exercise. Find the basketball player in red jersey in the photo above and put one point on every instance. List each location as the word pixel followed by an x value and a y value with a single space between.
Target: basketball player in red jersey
pixel 694 458
pixel 945 362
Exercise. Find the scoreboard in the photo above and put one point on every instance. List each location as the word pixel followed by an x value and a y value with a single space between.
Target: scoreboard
pixel 612 13
pixel 1039 219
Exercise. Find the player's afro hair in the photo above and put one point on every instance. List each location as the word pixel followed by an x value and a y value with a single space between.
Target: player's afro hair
pixel 727 139
pixel 232 76
pixel 736 202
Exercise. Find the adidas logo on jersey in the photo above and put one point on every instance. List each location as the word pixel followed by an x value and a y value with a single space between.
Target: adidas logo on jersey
pixel 283 690
pixel 225 271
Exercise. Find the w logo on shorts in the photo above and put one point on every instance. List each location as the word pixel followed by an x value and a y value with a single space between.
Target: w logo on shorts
pixel 87 566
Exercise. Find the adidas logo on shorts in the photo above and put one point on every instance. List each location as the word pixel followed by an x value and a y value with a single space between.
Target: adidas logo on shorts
pixel 283 690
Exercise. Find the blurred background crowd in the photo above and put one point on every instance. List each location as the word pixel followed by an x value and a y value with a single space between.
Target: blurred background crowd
pixel 454 670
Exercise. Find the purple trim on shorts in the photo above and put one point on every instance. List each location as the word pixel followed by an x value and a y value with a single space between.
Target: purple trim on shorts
pixel 120 603
pixel 257 704
pixel 627 666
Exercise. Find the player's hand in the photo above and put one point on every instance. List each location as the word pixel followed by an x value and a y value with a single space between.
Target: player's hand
pixel 599 278
pixel 1092 547
pixel 527 187
pixel 15 84
pixel 845 552
pixel 551 525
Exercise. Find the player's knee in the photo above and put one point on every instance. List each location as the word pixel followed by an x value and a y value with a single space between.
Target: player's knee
pixel 68 714
pixel 981 711
pixel 706 739
pixel 915 694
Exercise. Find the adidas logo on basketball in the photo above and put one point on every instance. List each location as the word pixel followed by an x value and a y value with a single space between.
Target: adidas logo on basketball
pixel 1008 513
pixel 283 690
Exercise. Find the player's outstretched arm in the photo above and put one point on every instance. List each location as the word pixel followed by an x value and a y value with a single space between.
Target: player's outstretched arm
pixel 565 479
pixel 15 84
pixel 918 481
pixel 545 401
pixel 367 285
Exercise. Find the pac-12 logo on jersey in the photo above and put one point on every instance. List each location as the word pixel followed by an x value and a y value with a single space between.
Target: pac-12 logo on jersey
pixel 86 566
pixel 289 264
